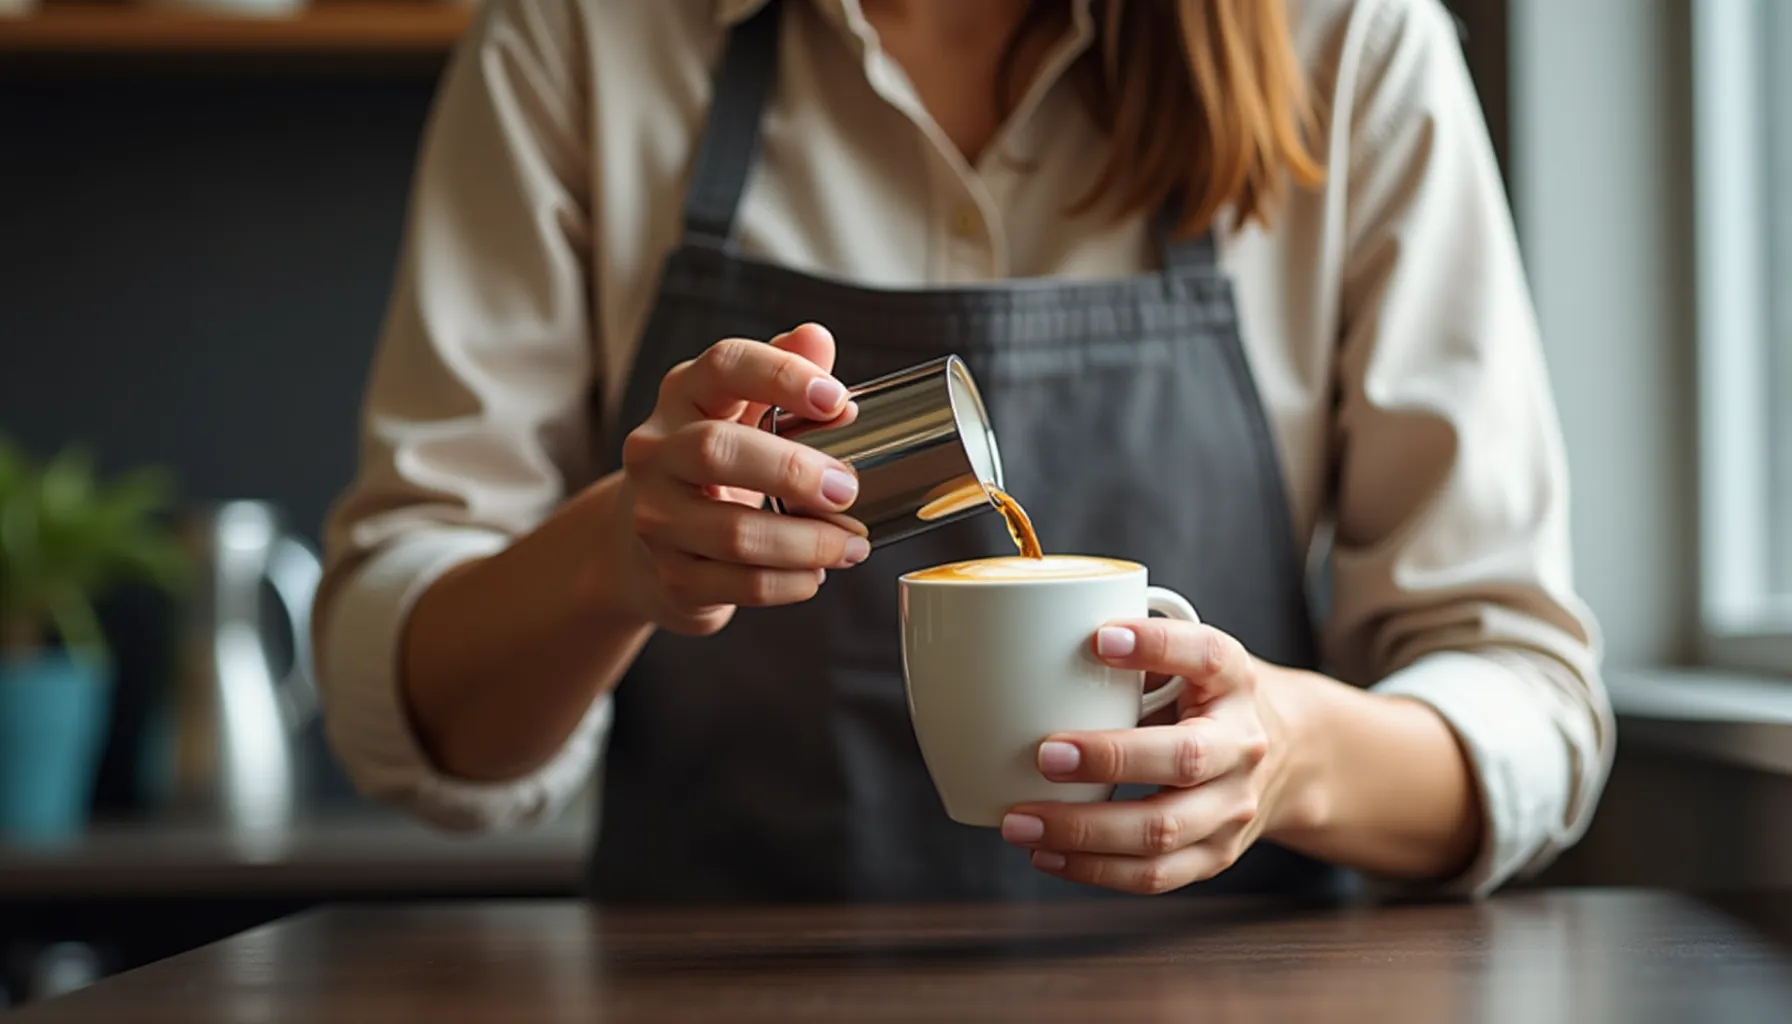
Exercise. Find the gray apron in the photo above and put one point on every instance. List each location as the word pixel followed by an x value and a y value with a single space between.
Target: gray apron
pixel 775 761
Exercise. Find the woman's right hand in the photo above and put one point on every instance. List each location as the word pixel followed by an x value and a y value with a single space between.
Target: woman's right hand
pixel 697 473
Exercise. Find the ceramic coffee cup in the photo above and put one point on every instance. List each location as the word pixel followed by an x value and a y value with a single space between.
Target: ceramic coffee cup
pixel 997 655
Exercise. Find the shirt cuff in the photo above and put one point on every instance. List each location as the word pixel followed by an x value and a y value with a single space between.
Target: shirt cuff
pixel 364 714
pixel 1518 755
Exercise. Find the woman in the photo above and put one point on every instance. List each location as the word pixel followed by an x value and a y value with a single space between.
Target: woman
pixel 1242 293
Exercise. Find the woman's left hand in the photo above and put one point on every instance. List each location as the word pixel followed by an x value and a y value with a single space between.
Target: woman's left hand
pixel 1223 767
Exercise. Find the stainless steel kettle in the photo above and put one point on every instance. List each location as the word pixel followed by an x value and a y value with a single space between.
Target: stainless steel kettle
pixel 238 717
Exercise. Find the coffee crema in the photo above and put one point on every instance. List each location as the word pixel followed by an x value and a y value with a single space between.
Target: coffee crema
pixel 1021 569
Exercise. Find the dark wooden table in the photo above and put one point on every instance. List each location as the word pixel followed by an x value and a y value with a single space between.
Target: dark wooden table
pixel 131 892
pixel 1582 956
pixel 333 856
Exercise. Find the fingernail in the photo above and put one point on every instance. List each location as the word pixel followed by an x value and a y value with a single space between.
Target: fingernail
pixel 1059 758
pixel 821 576
pixel 1115 641
pixel 857 550
pixel 1022 828
pixel 826 393
pixel 839 488
pixel 1046 860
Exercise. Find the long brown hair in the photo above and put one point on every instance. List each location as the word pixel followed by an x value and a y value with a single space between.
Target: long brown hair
pixel 1204 103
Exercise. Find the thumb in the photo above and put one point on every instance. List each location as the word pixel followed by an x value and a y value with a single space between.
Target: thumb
pixel 1211 662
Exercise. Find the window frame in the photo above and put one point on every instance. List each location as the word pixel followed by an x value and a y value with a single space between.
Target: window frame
pixel 1746 623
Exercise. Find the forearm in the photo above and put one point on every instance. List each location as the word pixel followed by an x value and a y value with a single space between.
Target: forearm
pixel 1375 782
pixel 503 657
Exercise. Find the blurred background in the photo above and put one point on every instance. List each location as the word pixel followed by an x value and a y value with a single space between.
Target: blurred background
pixel 200 203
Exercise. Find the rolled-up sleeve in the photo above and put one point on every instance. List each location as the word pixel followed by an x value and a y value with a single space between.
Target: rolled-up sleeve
pixel 1451 565
pixel 475 417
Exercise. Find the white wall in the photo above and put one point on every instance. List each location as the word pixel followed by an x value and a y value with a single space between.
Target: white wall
pixel 1600 167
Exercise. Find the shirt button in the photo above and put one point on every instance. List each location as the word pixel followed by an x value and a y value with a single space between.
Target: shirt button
pixel 965 221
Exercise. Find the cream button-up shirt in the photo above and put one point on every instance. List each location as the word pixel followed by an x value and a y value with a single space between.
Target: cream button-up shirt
pixel 1385 317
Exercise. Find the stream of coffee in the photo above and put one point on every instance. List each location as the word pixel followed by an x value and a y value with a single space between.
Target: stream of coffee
pixel 1019 526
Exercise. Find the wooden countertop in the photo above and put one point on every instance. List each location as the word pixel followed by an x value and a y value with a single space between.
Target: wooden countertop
pixel 336 26
pixel 1527 958
pixel 331 857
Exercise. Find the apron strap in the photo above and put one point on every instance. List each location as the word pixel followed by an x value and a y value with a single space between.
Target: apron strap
pixel 730 141
pixel 1199 254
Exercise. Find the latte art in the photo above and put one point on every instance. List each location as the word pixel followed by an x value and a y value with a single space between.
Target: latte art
pixel 1020 569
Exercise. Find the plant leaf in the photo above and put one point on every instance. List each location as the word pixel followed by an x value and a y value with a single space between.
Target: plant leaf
pixel 67 485
pixel 67 537
pixel 78 624
pixel 20 553
pixel 14 467
pixel 137 495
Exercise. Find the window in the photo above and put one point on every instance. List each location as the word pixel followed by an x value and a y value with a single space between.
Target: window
pixel 1779 177
pixel 1743 170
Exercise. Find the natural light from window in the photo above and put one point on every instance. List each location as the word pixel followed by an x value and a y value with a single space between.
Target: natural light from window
pixel 1743 166
pixel 1777 60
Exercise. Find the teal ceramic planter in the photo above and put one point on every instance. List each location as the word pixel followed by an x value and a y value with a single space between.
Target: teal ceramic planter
pixel 52 722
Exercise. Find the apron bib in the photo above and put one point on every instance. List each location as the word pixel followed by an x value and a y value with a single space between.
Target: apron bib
pixel 775 761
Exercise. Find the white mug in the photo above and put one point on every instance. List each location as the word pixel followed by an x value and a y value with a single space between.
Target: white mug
pixel 993 667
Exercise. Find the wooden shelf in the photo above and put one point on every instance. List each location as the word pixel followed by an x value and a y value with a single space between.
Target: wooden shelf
pixel 425 27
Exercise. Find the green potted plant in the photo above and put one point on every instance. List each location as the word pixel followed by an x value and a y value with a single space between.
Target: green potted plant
pixel 67 538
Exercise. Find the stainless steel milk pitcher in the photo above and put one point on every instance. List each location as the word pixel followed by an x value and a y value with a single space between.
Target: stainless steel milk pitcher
pixel 921 444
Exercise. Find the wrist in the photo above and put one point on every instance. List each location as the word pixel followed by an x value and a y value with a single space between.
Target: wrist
pixel 1302 802
pixel 594 535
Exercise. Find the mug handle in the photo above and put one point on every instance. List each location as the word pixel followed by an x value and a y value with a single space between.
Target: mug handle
pixel 1171 605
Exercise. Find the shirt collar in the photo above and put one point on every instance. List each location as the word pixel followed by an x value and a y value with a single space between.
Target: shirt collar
pixel 847 15
pixel 732 12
